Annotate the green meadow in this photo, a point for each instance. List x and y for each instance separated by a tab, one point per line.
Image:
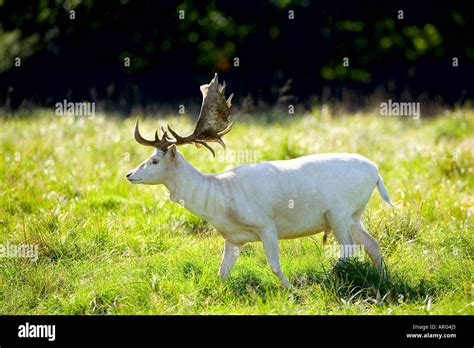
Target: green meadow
108	247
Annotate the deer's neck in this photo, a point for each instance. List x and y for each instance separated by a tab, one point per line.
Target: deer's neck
197	192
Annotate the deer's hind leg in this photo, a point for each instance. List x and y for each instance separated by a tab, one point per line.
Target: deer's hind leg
341	226
371	245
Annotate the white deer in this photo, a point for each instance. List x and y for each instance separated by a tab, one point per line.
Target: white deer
265	201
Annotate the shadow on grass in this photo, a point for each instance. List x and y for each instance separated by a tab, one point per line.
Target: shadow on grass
249	284
355	280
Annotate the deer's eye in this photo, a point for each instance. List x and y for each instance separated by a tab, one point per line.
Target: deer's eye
154	161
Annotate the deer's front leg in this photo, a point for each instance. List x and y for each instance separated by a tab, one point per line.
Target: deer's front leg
270	244
230	255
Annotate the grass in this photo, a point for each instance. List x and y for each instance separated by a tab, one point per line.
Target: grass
107	247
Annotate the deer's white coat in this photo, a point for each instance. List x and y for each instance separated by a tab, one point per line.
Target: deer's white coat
273	200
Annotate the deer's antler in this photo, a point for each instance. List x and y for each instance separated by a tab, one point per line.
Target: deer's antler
213	121
212	124
162	143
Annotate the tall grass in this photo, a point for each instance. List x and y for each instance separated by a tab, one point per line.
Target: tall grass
106	247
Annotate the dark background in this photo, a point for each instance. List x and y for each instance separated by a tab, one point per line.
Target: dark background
282	61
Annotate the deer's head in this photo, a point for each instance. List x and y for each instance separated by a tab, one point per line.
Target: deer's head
212	124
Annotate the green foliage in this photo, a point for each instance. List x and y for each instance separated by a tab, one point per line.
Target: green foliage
379	41
14	45
213	33
107	247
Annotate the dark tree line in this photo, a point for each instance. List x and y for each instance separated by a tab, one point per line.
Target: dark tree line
287	51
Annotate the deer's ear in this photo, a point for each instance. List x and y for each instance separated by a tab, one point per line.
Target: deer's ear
172	151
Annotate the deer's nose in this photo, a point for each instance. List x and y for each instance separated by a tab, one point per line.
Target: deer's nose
128	175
